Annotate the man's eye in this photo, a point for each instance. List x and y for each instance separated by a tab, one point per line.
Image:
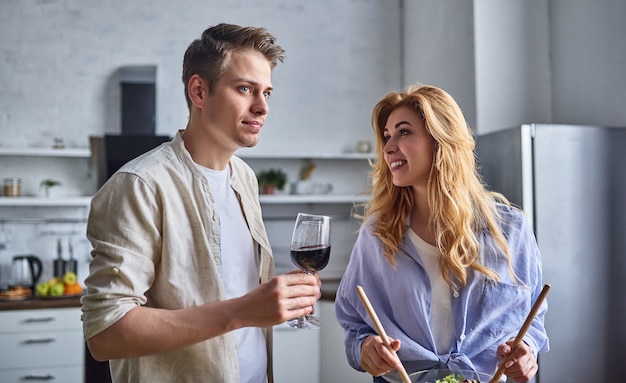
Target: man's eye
245	88
267	95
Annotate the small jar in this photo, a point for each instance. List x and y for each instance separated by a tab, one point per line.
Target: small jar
12	187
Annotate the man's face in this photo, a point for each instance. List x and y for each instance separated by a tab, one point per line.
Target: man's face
235	111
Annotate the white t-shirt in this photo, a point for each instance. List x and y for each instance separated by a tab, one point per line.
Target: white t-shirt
441	320
240	272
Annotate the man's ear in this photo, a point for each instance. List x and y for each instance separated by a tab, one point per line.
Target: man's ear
197	89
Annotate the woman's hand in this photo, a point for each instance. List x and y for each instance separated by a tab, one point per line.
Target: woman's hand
376	358
521	364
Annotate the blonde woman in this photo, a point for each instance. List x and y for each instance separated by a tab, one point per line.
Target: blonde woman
451	268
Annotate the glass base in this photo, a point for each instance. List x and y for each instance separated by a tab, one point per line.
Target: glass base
309	322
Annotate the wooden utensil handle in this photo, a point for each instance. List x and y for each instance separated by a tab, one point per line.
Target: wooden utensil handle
381	330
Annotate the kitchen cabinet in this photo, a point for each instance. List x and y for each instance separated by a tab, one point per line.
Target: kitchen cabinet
42	345
334	366
314	356
296	355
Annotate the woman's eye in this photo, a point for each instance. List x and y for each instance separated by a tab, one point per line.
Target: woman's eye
404	132
386	138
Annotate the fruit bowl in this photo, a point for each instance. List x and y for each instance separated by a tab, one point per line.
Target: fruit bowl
432	376
58	288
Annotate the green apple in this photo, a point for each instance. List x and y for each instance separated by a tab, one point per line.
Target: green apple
43	288
57	290
69	278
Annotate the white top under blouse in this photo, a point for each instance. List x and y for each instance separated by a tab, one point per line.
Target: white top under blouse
441	320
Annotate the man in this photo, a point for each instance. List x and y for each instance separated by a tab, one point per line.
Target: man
180	285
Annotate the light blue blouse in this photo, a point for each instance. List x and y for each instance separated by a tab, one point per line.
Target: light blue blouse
486	313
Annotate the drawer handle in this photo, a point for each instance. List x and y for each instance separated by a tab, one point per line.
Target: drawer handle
39	320
38	341
38	377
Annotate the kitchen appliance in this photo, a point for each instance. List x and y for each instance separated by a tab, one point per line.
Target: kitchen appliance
138	99
111	152
25	271
571	181
72	263
59	263
138	123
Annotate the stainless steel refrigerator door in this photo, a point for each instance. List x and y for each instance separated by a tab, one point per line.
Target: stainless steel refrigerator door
577	174
572	228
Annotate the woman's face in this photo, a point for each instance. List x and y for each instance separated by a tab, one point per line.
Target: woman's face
408	147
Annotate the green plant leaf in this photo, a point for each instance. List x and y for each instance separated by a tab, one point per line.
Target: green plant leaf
275	177
49	183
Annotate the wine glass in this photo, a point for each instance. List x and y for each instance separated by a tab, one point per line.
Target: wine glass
310	251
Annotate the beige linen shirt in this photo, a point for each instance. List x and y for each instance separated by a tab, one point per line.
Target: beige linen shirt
155	237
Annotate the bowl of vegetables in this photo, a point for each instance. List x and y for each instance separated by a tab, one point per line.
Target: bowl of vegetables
449	376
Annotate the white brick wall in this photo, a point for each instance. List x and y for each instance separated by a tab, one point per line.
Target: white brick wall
59	62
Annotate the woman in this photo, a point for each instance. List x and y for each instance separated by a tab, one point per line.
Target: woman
451	268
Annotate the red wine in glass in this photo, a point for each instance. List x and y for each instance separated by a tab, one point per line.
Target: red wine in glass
311	258
310	251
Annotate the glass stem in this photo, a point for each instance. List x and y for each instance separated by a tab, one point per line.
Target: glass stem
302	321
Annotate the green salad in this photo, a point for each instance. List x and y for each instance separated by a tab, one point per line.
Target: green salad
452	378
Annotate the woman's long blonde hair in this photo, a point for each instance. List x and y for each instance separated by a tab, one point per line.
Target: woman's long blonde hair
460	204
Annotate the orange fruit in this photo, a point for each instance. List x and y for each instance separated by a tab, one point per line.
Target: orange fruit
73	288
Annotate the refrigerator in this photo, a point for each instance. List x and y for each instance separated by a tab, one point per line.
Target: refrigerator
571	181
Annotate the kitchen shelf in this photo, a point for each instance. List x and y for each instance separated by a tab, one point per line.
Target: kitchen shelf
46	152
305	156
311	198
264	199
86	153
43	201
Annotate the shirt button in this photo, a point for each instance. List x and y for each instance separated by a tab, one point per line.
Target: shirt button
456	294
214	217
462	337
115	271
217	260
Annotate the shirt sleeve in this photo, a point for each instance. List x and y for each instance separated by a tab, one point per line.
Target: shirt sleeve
123	228
348	308
536	336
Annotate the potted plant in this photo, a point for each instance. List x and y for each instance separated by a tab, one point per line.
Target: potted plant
271	179
48	184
